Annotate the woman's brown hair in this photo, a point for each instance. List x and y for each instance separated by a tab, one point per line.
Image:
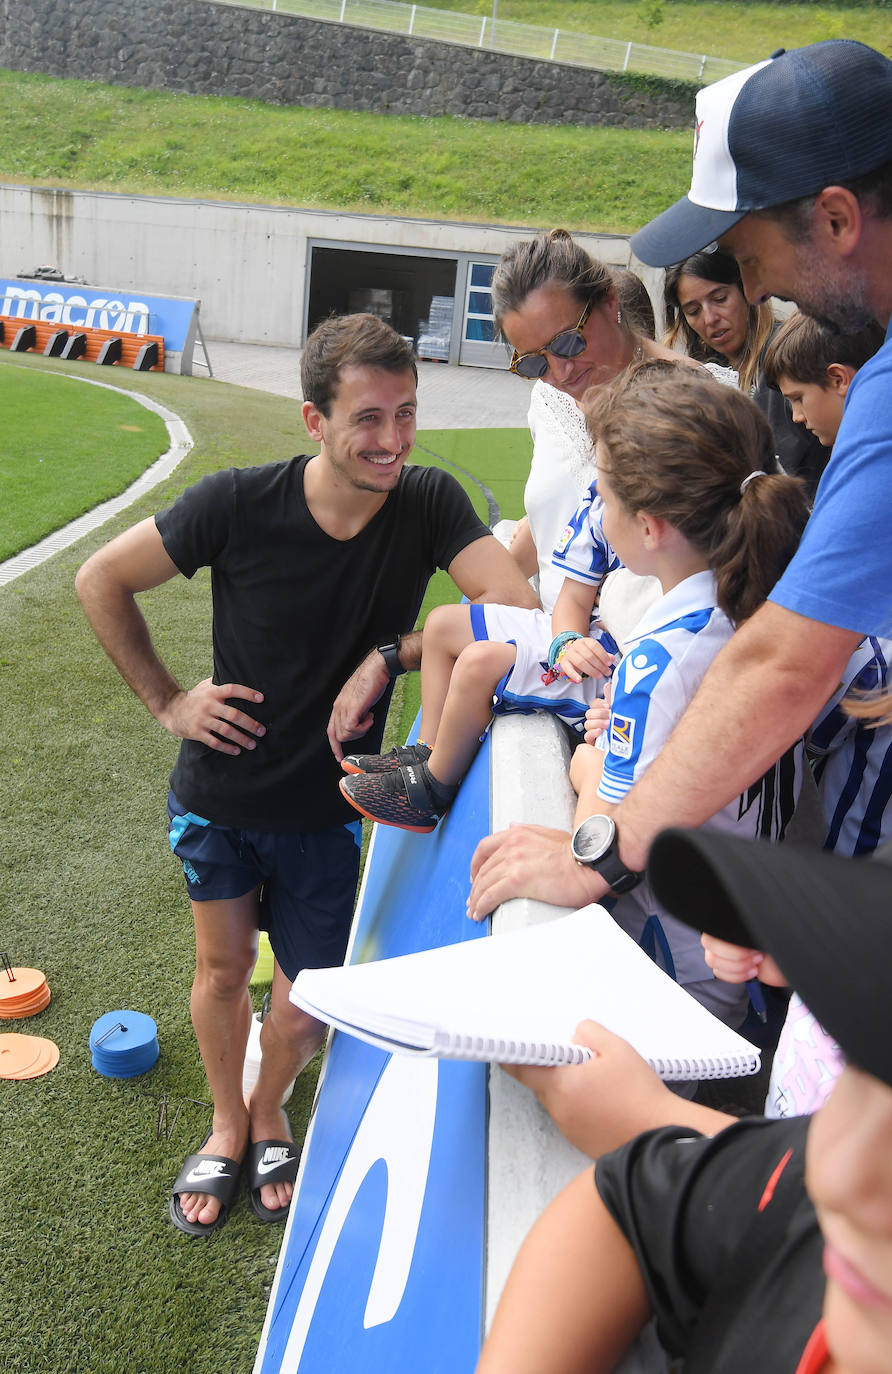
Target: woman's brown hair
681	447
552	259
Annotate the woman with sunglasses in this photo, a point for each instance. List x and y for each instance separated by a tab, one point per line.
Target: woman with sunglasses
570	328
709	319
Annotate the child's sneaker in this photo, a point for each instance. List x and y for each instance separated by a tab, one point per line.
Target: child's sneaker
401	797
386	763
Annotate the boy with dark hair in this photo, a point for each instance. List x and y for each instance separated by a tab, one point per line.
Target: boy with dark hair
813	367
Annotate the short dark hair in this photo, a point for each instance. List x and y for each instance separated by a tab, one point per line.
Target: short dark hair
873	189
349	341
803	350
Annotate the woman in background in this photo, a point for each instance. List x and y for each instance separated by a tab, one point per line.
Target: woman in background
708	318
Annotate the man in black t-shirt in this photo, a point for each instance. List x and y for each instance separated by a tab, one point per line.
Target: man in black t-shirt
318	564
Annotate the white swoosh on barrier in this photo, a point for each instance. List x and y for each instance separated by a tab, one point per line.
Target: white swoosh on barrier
398	1127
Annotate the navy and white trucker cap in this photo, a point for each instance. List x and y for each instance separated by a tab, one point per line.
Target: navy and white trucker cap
777	131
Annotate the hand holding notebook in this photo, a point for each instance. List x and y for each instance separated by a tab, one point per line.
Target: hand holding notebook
518	998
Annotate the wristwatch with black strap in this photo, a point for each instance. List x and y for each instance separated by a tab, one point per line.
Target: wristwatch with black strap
390	652
595	846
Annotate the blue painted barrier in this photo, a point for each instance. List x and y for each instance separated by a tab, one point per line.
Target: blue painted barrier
382	1266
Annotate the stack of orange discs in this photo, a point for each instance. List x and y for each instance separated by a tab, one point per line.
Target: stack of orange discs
24	994
26	1056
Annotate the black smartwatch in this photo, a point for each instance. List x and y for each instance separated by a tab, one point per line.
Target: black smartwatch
594	845
390	652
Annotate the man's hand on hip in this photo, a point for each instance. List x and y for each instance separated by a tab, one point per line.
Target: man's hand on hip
204	714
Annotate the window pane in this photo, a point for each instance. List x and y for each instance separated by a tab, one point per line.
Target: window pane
480	329
481	273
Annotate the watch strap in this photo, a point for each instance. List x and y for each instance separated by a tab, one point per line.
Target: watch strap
390	652
614	872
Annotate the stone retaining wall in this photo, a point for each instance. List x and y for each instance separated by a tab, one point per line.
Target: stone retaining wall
202	48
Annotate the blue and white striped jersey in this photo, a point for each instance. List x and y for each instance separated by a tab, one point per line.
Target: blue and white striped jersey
582	552
852	760
664	662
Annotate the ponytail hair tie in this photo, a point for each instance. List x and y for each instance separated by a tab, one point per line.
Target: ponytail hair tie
746	481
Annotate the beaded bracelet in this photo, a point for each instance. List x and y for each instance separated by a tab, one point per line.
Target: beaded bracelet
559	642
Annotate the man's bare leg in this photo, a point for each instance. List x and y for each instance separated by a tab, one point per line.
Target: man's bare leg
225	951
288	1041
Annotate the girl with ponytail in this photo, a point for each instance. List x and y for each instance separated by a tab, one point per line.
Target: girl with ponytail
685	499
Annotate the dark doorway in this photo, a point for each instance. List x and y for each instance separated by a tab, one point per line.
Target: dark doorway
413	293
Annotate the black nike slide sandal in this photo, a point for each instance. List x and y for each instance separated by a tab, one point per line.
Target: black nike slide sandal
212	1174
271	1161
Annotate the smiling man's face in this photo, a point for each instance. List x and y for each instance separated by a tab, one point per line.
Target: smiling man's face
370	431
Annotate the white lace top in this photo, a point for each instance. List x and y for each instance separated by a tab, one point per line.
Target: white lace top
562	469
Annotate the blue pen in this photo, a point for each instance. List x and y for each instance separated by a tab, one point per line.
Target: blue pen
757	997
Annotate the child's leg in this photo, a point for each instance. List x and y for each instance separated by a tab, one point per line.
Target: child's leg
447	631
575	1299
416	795
467	710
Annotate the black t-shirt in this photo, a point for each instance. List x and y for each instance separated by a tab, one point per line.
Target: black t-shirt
687	1203
295	611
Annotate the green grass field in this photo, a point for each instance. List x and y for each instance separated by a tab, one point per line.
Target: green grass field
66	451
96	1279
89	135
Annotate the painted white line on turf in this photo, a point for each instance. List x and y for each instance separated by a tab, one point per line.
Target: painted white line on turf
180	443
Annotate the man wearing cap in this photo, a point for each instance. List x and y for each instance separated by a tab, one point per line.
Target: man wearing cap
793	177
767	1245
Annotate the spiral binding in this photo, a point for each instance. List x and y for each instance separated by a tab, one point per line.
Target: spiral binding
687	1070
489	1049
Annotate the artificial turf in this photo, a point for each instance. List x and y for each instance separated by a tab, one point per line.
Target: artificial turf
65	451
96	1279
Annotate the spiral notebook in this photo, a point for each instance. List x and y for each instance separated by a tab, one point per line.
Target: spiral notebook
518	998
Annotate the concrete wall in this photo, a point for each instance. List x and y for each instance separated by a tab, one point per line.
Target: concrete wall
205	48
247	264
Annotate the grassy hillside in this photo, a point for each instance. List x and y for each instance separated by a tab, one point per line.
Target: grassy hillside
745	32
87	135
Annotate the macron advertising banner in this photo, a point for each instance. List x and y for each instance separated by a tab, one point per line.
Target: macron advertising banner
71	305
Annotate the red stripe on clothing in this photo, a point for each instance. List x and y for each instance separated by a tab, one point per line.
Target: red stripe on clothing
815	1355
772	1182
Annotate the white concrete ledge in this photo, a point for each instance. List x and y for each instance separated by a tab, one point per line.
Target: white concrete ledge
529	1161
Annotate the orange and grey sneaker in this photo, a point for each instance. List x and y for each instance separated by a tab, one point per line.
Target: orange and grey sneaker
386	763
403	797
